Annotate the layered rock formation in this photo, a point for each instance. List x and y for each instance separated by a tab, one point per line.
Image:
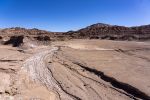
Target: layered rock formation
95	31
112	32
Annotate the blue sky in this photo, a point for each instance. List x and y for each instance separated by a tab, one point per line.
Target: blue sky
65	15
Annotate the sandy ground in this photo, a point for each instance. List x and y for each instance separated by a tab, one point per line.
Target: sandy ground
127	62
76	70
15	83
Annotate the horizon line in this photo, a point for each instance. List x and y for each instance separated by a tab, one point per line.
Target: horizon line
75	29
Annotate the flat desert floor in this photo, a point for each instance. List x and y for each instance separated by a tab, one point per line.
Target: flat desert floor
76	70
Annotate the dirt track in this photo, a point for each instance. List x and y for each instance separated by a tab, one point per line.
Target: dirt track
39	71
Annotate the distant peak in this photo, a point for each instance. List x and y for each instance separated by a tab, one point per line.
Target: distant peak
100	24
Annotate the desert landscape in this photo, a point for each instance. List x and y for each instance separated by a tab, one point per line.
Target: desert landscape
74	49
99	62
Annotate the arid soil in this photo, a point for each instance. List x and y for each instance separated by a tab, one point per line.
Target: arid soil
76	70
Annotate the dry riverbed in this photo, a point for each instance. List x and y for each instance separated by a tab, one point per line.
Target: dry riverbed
76	70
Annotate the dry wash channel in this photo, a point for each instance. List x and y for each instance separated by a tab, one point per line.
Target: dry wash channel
71	79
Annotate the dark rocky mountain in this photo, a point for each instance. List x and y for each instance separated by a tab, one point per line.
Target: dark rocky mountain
112	32
95	31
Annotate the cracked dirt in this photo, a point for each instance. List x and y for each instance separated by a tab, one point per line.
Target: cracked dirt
76	70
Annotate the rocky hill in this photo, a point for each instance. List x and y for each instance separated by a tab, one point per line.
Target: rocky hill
16	36
95	31
112	32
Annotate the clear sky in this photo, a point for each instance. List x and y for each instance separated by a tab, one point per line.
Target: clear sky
65	15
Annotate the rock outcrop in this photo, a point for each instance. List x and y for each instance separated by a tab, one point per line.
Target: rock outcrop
95	31
112	32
